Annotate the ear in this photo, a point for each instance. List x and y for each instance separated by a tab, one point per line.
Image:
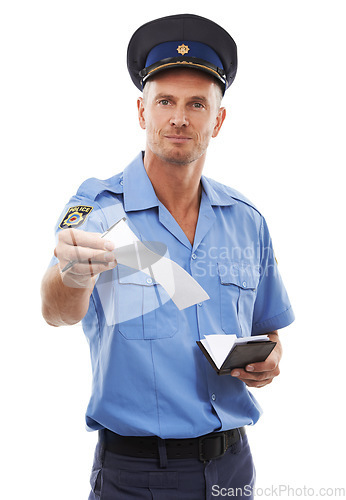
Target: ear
140	108
219	121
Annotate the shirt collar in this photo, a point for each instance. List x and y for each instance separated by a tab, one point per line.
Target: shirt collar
217	194
139	193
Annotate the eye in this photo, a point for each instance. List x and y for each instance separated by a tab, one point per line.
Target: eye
164	102
198	105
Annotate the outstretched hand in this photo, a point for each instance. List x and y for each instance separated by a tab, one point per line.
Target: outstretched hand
89	253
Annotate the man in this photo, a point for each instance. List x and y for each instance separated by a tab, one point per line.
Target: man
169	426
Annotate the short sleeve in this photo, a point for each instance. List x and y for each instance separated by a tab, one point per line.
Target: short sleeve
272	309
80	213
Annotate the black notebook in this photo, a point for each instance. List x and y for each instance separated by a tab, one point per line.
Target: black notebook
226	352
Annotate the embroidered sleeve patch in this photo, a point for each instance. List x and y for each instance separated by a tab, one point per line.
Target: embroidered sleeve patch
75	216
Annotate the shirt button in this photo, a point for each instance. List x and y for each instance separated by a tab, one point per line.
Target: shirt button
121	182
149	281
200	304
194	256
244	284
213	397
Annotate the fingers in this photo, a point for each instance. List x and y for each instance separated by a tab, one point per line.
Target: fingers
262	373
89	268
83	274
76	237
265	366
82	254
89	252
74	244
257	374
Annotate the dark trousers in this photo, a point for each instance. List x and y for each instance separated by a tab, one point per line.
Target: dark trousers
118	477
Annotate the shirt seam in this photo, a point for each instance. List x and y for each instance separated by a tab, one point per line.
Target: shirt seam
260	239
155	385
97	317
97	367
103	214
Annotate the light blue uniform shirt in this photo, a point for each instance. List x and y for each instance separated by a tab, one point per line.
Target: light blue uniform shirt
149	375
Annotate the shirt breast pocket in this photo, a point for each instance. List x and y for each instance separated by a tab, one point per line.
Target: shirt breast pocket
145	310
238	285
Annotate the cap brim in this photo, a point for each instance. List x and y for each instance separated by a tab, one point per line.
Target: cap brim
171	64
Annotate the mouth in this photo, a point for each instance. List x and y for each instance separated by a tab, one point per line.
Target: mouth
180	139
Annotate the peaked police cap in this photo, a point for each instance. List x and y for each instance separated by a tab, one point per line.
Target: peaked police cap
183	40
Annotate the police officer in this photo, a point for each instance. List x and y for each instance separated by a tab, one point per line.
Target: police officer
169	426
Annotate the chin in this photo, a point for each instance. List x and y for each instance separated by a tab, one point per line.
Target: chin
179	157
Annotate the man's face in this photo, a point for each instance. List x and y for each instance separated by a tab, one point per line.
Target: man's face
180	112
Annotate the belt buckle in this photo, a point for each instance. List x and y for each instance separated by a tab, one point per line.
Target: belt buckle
217	446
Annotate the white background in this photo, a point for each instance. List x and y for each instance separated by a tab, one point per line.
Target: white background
68	112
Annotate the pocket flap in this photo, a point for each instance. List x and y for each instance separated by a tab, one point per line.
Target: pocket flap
134	277
242	274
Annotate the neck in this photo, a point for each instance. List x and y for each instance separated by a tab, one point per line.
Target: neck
177	186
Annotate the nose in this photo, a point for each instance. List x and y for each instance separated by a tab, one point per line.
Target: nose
179	117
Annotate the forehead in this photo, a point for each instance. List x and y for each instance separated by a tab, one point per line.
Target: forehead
182	80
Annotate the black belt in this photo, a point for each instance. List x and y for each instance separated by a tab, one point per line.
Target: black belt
204	447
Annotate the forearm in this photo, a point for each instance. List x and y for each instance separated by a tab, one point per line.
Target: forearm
61	304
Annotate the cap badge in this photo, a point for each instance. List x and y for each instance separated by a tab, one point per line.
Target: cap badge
183	49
